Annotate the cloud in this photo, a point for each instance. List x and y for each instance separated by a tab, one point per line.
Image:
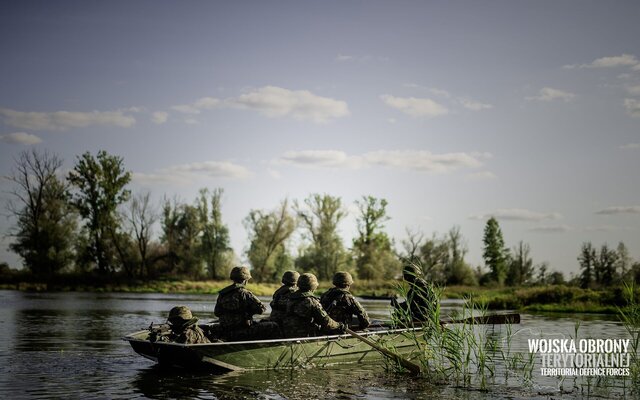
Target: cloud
415	160
275	102
619	210
482	175
633	107
623	60
517	214
551	229
474	105
20	138
630	146
204	103
159	117
63	120
608	228
188	173
551	94
416	107
634	90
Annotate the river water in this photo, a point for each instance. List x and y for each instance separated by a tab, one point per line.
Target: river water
68	346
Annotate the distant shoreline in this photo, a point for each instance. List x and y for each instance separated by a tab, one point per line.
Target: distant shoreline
551	298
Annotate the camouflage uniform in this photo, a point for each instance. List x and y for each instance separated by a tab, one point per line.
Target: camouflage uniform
279	302
341	306
306	317
183	328
236	306
189	333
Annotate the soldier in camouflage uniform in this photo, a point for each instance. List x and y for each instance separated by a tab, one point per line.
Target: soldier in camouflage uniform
280	297
305	315
236	307
421	298
340	304
183	328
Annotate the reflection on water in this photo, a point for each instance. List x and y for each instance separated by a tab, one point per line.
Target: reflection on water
58	345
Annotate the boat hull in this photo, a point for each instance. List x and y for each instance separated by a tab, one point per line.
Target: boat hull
278	353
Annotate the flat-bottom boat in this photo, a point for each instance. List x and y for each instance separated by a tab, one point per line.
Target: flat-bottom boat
278	353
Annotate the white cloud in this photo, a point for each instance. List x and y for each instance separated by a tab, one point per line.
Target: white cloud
634	90
482	175
619	210
204	103
319	158
275	174
608	228
551	229
63	120
633	107
550	94
517	214
188	173
440	92
630	146
474	105
416	107
159	117
20	138
274	102
623	60
416	160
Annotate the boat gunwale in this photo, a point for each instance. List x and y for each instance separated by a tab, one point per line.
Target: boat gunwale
298	340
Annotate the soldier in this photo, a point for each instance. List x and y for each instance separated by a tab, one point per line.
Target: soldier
421	299
236	306
183	328
305	315
280	297
340	304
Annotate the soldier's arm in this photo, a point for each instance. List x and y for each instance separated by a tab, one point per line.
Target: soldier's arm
323	319
360	312
255	306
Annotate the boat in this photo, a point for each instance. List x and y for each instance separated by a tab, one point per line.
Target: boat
287	353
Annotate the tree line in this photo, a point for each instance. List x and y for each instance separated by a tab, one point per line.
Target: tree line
88	222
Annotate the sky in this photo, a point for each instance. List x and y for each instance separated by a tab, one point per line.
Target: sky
453	111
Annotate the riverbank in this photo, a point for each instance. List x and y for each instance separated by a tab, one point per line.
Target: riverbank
555	298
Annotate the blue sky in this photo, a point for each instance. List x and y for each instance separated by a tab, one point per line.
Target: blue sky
452	111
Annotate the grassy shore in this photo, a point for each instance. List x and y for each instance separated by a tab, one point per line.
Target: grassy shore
558	298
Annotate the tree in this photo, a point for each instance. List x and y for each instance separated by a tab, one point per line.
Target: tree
141	216
326	254
100	188
494	252
434	254
587	260
374	255
605	265
520	266
214	243
624	262
268	233
412	244
181	230
46	226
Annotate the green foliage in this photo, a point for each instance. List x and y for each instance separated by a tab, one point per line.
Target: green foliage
374	256
181	228
443	260
520	270
100	187
494	252
325	255
268	233
46	226
214	242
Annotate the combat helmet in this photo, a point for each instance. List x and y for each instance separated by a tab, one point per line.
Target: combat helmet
179	314
307	282
290	277
342	279
240	274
